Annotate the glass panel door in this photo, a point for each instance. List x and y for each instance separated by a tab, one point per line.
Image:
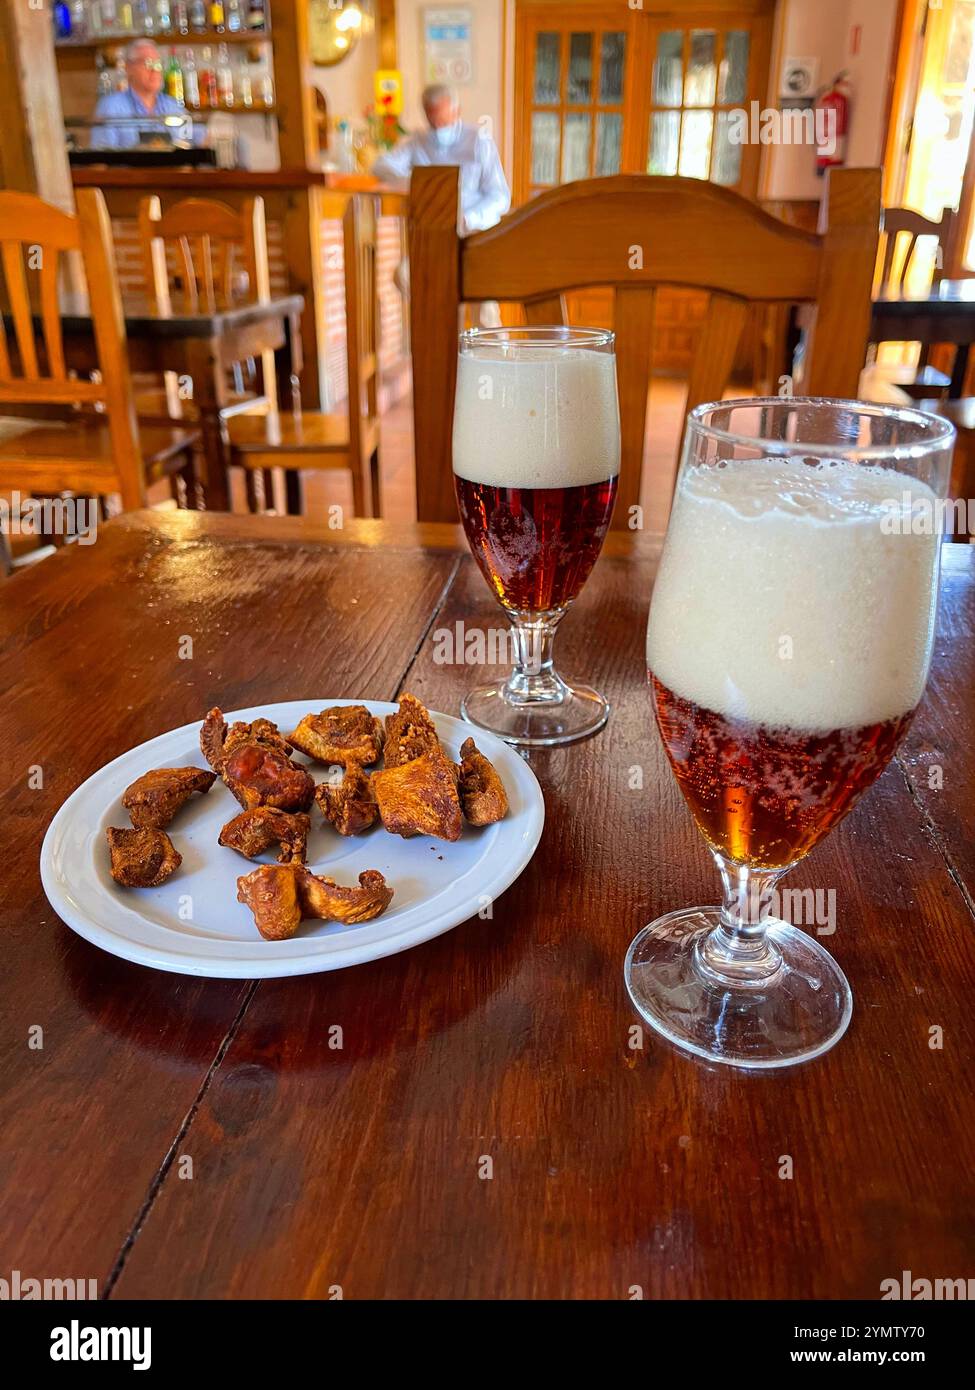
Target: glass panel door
697	75
576	77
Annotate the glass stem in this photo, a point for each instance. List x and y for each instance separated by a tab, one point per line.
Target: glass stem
534	679
739	952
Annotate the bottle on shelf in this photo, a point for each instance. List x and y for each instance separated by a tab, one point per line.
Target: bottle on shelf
198	16
107	16
174	78
266	84
62	20
245	87
217	16
225	77
234	16
144	21
181	16
106	80
164	16
120	80
79	20
191	79
208	79
126	18
256	18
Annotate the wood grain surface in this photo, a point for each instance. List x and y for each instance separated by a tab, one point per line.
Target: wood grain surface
364	1169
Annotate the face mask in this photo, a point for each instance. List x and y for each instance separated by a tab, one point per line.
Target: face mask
446	134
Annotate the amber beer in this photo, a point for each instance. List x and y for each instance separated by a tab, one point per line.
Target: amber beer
536	466
787	648
765	796
535	546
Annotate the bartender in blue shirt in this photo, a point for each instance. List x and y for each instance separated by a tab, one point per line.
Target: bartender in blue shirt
145	97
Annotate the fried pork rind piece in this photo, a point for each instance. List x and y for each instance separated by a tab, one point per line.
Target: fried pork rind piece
154	798
420	797
351	806
482	794
271	893
280	895
322	897
252	832
410	733
344	734
141	858
255	763
218	742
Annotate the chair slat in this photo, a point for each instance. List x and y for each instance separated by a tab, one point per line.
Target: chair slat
4	355
633	321
13	269
714	354
549	308
51	317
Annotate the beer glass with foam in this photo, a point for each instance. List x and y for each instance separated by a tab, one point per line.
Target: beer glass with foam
788	646
536	450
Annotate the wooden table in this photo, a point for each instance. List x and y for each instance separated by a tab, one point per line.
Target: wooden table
613	1166
945	315
202	346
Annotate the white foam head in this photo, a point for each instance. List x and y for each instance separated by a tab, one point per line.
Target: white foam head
536	416
786	595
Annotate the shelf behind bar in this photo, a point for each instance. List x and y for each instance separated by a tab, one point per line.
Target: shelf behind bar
169	40
102	176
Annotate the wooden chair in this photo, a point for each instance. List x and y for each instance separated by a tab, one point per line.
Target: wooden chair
88	440
923	380
297	440
220	259
634	233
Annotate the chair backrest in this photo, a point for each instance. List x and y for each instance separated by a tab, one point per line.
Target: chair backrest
34	236
359	245
635	233
219	254
905	220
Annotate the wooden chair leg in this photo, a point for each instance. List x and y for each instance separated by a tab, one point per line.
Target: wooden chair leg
377	509
254	489
292	491
359	489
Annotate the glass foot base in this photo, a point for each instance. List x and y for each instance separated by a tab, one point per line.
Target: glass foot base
793	1014
577	713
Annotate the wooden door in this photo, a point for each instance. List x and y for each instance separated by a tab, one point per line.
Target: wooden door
604	89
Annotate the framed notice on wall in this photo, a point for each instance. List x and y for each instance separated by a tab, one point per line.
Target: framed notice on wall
448	45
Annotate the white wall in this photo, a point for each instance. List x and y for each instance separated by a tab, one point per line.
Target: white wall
348	86
824	29
482	97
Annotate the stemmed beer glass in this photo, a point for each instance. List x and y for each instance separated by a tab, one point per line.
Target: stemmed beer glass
788	646
536	451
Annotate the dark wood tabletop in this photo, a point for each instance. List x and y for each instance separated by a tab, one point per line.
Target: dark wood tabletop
143	319
945	314
178	1137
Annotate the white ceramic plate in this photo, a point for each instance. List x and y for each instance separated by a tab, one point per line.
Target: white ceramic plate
193	923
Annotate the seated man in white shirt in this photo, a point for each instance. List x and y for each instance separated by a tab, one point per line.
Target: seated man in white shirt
484	193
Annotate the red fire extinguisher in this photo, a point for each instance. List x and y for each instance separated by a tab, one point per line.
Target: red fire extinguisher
832	116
